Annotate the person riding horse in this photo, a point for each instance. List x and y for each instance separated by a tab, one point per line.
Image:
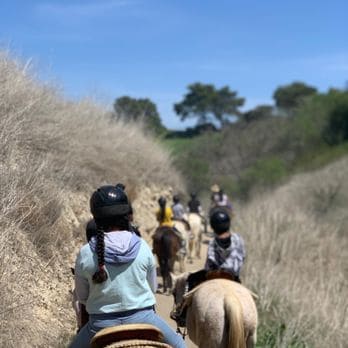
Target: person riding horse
179	212
219	200
164	216
194	205
115	273
225	257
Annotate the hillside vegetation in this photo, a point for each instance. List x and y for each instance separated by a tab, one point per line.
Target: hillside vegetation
53	153
297	259
266	145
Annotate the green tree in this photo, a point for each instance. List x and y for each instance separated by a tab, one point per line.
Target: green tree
291	96
204	101
336	130
134	110
258	113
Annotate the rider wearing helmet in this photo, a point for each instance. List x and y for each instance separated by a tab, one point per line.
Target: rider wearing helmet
194	205
219	199
164	214
225	258
115	273
165	218
226	251
178	209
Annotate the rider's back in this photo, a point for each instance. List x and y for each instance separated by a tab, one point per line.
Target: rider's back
194	206
127	286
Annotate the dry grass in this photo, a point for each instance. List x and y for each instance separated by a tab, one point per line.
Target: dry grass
298	259
52	151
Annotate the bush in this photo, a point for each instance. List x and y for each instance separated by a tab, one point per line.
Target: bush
336	130
264	173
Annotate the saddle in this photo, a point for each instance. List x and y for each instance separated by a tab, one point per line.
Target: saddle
130	335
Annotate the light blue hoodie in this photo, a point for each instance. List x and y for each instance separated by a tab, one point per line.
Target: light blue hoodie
131	271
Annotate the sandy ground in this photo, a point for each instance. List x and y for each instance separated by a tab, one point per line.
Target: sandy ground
165	302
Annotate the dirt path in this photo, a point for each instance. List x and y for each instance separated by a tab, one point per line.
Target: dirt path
165	303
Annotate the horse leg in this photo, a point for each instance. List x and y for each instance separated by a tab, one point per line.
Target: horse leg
182	263
251	340
190	249
198	247
164	272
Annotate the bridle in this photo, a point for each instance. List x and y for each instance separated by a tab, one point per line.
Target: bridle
183	332
179	329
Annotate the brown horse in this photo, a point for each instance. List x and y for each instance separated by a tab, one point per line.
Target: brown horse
166	244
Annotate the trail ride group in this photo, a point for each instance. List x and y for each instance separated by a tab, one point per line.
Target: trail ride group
115	276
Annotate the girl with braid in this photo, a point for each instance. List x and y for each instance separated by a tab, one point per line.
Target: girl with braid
115	272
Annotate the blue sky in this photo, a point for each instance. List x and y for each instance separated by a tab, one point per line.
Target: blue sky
154	49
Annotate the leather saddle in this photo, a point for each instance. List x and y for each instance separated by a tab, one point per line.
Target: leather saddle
129	335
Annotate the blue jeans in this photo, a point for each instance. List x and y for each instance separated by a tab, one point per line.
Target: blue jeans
98	322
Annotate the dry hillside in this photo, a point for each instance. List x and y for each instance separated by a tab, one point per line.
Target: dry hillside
297	240
53	153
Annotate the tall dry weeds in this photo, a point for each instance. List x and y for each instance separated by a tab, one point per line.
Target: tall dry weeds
52	151
298	259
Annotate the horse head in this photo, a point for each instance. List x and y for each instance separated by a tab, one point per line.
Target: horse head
179	286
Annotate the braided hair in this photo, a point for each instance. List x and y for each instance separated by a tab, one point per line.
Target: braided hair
103	225
100	275
162	203
110	208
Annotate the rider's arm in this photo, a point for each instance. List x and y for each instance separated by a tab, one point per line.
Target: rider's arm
152	279
200	210
151	274
210	263
81	288
237	255
81	282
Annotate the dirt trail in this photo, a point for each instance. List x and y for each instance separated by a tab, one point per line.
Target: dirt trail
165	303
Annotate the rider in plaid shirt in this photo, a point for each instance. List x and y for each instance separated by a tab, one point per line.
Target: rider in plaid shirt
226	251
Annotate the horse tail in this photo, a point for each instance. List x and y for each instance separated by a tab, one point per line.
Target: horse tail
234	317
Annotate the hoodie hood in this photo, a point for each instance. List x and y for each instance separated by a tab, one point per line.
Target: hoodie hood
120	247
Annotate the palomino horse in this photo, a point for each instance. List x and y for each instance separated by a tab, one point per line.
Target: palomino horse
166	244
220	313
195	238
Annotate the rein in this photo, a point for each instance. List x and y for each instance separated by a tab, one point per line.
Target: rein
183	332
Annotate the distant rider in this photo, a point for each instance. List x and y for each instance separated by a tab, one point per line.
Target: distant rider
165	217
219	199
226	251
194	205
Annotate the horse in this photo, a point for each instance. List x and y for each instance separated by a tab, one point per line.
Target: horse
220	313
183	228
195	238
166	244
